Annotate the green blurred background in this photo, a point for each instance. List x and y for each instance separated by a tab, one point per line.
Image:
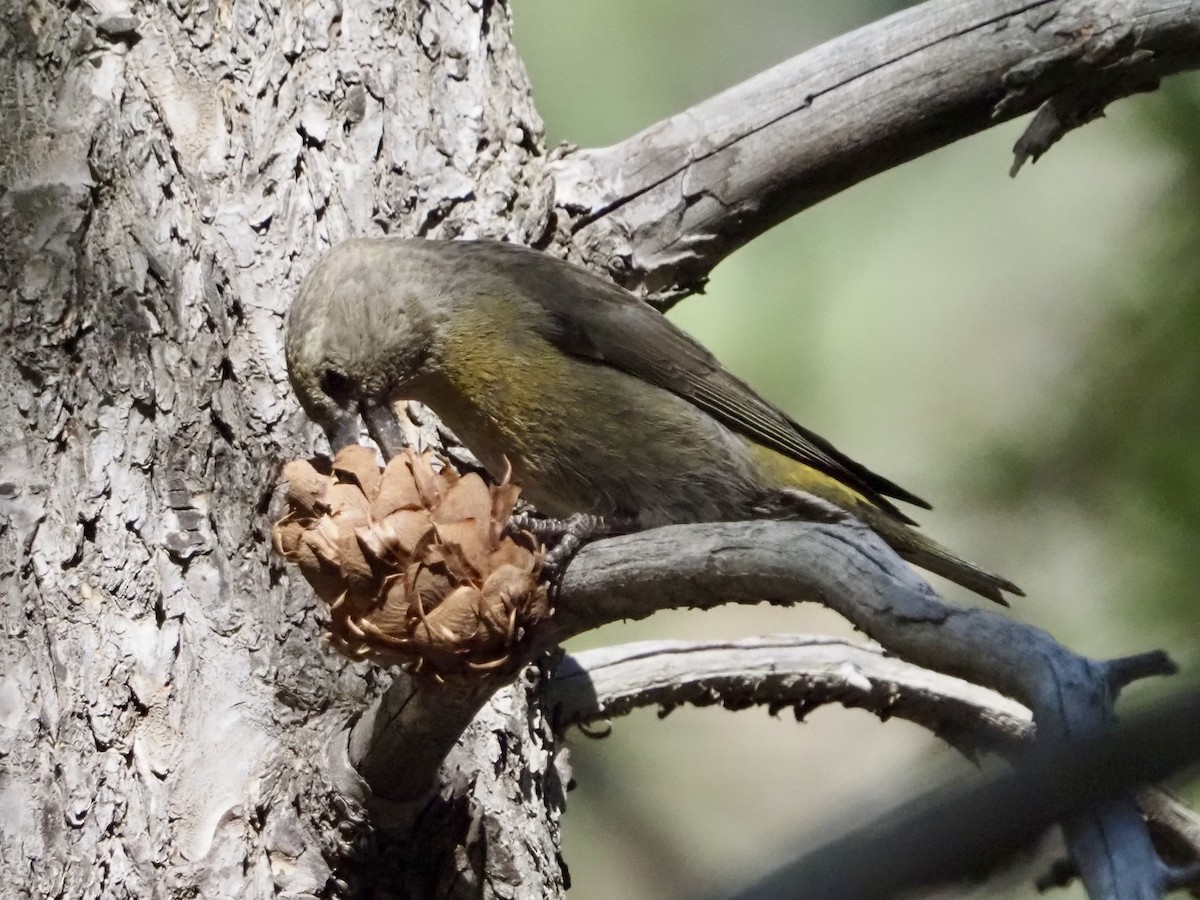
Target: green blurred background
1020	352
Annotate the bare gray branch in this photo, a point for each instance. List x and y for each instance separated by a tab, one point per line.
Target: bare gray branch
807	671
781	671
850	570
666	205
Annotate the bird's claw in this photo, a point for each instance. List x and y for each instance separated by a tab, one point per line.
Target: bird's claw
567	536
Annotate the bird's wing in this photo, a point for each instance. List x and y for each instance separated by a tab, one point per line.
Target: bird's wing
591	318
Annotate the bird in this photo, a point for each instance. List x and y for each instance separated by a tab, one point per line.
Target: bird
595	402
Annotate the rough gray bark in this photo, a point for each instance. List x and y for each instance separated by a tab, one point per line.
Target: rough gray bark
169	172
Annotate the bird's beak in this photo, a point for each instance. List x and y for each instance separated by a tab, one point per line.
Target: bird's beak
383	426
343	432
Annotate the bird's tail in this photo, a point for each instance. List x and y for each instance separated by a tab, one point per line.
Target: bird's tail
933	557
891	526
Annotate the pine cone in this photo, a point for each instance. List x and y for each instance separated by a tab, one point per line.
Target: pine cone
414	563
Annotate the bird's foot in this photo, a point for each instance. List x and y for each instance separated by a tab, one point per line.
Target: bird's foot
566	536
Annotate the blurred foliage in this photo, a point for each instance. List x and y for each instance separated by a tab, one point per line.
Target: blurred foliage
1126	443
604	69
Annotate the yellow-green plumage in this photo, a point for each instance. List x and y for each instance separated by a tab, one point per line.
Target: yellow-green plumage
597	402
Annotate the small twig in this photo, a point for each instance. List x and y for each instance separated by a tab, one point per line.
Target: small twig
399	742
1125	670
1067	110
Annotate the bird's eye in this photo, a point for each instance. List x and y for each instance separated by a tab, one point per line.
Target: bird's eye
336	385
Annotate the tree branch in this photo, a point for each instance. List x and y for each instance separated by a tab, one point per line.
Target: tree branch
800	671
807	671
1175	829
850	570
666	205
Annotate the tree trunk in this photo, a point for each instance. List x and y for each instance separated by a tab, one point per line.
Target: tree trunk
170	171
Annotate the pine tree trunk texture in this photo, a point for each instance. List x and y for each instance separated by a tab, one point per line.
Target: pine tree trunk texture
168	173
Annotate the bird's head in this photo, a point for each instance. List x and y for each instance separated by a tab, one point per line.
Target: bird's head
357	335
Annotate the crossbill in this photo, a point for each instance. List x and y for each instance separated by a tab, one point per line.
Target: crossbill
598	403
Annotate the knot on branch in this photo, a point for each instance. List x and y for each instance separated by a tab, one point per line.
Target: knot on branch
414	561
